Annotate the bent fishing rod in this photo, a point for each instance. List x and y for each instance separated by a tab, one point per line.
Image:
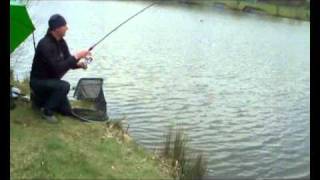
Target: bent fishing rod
89	59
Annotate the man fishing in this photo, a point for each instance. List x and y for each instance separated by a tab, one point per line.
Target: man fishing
51	61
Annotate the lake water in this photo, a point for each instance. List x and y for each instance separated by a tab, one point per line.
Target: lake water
238	83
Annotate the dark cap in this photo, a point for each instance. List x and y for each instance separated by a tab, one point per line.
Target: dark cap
56	21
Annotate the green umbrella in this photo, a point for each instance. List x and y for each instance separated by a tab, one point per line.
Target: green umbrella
20	25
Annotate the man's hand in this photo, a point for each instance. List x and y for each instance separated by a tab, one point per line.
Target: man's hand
82	54
82	64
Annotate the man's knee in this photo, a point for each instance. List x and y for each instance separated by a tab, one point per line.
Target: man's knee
64	86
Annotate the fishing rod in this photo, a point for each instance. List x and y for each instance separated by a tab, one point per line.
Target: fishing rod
89	59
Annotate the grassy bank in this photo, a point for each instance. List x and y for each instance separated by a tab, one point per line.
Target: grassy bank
75	150
293	12
72	149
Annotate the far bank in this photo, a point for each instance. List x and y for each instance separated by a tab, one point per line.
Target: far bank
286	10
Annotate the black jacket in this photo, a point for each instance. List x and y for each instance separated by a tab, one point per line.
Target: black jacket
52	59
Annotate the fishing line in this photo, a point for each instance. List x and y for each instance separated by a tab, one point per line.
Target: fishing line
89	59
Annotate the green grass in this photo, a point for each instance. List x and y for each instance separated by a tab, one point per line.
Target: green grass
75	150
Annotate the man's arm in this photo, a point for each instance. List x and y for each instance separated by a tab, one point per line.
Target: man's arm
67	54
51	55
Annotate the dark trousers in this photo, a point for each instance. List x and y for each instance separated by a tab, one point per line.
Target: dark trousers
51	94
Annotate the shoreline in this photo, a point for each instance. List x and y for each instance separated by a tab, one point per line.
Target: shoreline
75	150
271	9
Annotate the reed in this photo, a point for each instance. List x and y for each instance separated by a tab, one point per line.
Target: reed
167	143
195	169
183	167
179	147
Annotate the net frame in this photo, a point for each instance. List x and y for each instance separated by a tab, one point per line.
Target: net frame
91	89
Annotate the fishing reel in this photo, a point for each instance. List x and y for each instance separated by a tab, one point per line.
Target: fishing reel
88	60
